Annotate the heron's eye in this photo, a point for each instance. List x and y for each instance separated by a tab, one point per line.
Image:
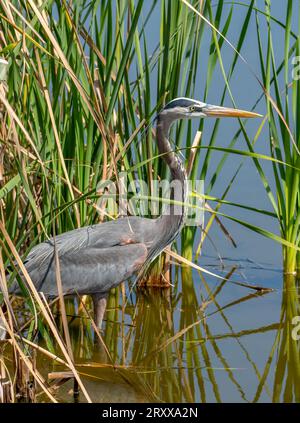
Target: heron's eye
192	108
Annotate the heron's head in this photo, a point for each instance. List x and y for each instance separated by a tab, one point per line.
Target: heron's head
187	108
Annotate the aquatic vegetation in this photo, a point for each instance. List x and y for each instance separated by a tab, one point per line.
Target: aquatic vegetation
79	110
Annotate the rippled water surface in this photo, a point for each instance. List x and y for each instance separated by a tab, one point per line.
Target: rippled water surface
213	340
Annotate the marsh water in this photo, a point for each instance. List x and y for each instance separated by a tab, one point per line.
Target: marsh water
203	340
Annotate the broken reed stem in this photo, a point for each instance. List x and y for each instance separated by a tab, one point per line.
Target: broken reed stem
5	383
25	382
3	89
6	392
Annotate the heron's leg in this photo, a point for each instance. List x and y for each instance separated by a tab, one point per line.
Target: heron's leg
99	301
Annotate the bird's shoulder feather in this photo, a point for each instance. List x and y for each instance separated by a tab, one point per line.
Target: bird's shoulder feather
124	231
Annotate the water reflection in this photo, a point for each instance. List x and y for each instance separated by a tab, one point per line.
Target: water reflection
192	342
200	340
285	352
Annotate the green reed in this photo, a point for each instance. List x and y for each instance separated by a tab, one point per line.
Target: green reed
284	133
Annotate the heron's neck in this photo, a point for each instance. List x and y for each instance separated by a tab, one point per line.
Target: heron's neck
172	219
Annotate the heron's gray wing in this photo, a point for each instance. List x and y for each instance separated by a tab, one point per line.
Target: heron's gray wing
123	231
79	247
131	230
93	270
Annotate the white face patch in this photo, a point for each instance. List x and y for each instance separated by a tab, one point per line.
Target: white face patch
183	108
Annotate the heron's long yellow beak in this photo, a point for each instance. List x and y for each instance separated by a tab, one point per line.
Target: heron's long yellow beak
218	111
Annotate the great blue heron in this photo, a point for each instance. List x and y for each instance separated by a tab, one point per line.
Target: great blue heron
97	258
